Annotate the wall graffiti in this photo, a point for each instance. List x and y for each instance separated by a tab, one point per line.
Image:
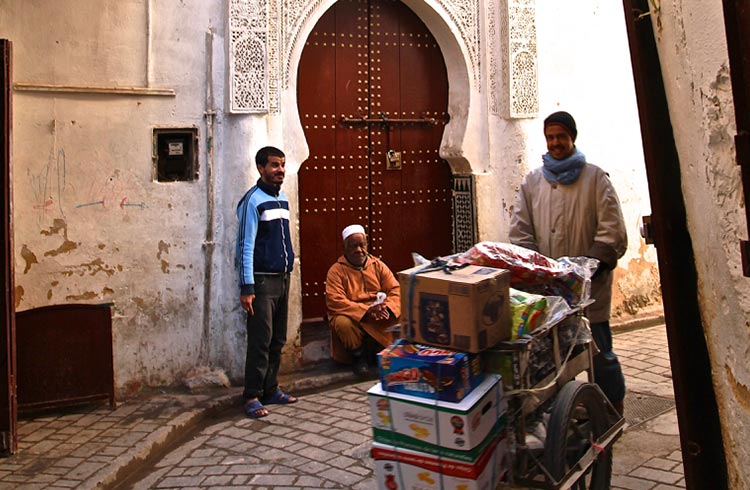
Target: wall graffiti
111	192
50	186
50	183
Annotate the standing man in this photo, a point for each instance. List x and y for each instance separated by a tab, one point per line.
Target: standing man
568	207
265	259
363	300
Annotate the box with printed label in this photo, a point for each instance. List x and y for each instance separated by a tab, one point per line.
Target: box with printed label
465	309
429	372
398	468
410	421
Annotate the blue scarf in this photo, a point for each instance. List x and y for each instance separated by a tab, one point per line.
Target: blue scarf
565	171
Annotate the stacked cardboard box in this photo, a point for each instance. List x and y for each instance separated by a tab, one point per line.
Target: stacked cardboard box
433	444
398	468
429	372
466	309
439	422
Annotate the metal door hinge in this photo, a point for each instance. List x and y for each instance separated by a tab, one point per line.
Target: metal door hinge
647	230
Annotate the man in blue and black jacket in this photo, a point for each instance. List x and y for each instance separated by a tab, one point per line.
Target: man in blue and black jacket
265	259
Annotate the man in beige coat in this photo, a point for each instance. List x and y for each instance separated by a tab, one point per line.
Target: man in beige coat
568	207
363	301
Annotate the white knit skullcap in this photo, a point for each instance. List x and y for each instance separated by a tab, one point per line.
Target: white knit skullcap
351	230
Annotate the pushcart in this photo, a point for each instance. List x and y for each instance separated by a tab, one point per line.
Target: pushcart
542	375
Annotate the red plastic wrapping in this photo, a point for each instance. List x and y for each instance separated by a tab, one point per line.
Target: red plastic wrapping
533	272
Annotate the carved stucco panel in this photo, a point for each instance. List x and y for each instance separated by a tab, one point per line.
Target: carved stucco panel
464	15
518	59
248	30
274	61
493	71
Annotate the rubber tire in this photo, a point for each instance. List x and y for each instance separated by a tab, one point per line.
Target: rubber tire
573	394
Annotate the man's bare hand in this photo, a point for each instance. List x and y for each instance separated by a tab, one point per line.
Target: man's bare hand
246	301
378	312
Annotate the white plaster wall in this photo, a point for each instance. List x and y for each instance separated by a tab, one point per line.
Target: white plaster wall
693	52
584	68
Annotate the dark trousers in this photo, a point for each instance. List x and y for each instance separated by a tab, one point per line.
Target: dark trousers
266	335
607	369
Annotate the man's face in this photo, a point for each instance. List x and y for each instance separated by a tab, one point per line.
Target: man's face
355	249
273	171
559	143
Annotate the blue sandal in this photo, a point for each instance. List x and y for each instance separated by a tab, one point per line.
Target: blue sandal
279	398
255	409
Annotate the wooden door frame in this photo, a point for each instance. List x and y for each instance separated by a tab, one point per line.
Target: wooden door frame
703	457
8	402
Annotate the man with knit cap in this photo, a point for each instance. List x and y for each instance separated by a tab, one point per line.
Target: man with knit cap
568	207
363	301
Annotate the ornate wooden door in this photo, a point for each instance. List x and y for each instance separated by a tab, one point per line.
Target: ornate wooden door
372	85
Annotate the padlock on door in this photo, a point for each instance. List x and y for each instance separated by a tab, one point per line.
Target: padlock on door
393	160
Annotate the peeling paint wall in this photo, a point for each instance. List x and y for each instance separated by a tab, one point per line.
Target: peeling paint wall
693	52
93	226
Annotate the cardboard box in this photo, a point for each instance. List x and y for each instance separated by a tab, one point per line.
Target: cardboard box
398	468
466	309
429	372
401	441
409	421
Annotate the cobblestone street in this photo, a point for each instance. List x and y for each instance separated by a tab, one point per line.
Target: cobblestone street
191	441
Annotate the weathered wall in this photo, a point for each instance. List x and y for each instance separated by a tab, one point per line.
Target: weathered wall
92	225
693	52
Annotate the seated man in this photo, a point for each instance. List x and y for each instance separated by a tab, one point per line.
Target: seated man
354	313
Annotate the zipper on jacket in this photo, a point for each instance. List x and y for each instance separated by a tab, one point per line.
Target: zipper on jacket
283	237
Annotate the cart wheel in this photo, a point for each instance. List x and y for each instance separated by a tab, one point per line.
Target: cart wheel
579	415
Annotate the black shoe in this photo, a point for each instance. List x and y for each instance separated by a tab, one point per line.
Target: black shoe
371	348
359	364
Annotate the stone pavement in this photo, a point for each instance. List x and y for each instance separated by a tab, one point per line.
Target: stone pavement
176	440
648	455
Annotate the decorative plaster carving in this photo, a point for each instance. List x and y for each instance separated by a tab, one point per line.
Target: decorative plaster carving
274	63
296	13
464	15
519	59
248	55
493	72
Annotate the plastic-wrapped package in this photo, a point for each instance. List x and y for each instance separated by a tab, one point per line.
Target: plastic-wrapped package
557	309
568	277
527	311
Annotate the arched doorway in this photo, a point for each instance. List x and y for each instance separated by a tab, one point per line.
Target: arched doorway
372	80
